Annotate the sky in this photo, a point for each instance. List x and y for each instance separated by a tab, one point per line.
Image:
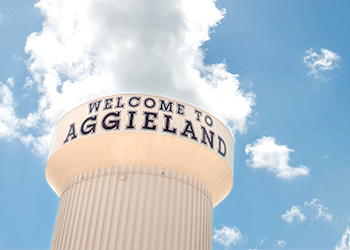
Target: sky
275	72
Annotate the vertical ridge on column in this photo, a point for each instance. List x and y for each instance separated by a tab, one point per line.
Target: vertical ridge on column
66	218
116	212
109	208
76	211
141	210
82	213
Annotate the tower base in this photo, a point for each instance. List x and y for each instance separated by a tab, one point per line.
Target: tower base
134	207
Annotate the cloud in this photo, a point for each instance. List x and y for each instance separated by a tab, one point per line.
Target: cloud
93	48
312	210
10	82
18	58
318	210
8	119
344	243
228	236
294	212
280	244
12	127
318	64
266	154
261	242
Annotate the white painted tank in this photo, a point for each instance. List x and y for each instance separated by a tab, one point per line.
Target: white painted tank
138	171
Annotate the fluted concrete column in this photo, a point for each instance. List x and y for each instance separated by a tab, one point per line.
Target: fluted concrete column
135	207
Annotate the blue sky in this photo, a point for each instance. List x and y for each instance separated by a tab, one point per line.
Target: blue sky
288	65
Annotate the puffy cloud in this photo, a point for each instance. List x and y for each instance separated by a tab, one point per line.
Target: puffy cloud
228	236
90	48
12	127
318	64
312	210
344	243
294	212
265	153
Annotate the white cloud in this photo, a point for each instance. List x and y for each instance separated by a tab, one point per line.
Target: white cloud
280	244
344	243
318	210
228	236
294	212
261	242
267	154
100	47
8	119
12	127
318	64
312	210
10	82
18	58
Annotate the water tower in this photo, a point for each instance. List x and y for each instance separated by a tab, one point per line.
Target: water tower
138	171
